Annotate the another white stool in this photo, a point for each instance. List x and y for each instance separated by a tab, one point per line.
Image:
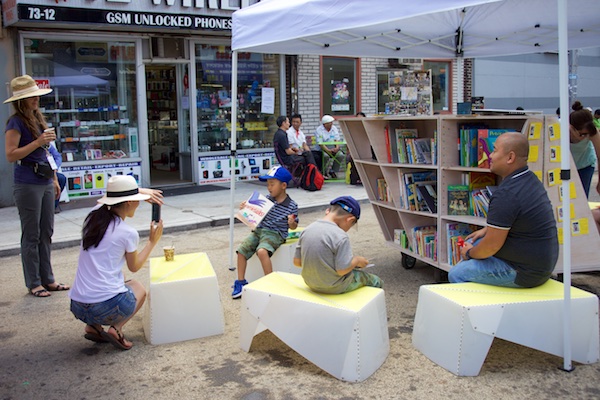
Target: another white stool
183	302
456	323
282	260
344	334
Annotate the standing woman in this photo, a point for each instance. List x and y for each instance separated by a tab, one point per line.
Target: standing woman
585	144
35	183
100	294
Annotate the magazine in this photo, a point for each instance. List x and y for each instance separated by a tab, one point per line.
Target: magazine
255	209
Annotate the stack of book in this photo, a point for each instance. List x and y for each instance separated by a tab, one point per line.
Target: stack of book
424	241
405	147
383	193
418	191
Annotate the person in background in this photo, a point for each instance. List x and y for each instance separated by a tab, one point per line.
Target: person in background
585	144
282	146
519	246
36	184
100	294
272	231
325	254
597	118
327	132
297	140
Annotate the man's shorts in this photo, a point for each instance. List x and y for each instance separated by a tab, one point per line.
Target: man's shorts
108	312
260	239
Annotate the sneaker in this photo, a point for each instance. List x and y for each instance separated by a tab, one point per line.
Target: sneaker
237	288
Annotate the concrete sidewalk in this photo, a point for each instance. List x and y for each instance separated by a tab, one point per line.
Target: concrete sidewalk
182	212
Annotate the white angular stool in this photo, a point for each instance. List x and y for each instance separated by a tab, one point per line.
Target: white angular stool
282	260
456	323
183	301
344	334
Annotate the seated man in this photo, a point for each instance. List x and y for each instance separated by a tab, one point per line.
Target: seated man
327	132
519	246
282	146
297	140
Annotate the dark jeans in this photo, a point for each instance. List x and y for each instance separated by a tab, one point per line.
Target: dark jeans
586	174
62	181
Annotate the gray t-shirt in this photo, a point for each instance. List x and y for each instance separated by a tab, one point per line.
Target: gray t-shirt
325	248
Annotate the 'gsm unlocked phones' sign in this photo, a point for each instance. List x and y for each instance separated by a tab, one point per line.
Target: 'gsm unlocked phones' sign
178	14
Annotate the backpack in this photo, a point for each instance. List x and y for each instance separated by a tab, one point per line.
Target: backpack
312	179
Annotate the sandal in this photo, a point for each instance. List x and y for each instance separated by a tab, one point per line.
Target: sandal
118	342
40	293
59	287
97	336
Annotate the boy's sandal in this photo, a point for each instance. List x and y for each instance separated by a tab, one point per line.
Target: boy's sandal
95	337
59	287
40	293
118	343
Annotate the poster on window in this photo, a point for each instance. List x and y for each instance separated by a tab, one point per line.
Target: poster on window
340	95
409	93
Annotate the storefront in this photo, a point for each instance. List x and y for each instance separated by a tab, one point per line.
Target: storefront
145	89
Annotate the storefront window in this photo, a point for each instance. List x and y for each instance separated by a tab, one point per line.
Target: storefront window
339	85
93	102
440	84
258	98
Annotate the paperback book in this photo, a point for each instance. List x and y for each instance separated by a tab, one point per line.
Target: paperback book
254	211
458	200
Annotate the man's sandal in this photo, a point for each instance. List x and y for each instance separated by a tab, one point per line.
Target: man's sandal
58	288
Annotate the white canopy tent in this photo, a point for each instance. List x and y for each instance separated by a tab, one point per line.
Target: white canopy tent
425	29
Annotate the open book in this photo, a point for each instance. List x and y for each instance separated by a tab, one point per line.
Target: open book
256	208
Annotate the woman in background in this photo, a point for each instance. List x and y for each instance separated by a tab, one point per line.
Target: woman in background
585	144
35	183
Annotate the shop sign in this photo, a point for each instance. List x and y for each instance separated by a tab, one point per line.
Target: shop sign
178	14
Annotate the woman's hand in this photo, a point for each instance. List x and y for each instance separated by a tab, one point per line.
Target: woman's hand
155	195
156	231
56	188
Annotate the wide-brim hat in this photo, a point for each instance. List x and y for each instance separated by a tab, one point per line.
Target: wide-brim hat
23	87
122	188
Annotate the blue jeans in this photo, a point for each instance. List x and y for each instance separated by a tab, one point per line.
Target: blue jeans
109	312
586	174
489	271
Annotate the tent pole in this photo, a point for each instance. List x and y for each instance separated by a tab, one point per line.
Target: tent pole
563	72
233	148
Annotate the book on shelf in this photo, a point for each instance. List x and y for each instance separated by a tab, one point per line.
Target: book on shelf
256	208
454	231
424	241
485	145
408	191
421	151
458	199
401	239
388	145
401	136
427	194
383	192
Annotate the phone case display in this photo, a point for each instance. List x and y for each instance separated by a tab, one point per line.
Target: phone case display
91	180
214	169
408	93
90	123
425	208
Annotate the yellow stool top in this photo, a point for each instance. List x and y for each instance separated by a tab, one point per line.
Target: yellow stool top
292	286
476	294
183	267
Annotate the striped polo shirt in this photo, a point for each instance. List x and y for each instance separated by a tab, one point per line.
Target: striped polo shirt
277	217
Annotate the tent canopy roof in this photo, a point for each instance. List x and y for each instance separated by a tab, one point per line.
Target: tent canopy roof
412	29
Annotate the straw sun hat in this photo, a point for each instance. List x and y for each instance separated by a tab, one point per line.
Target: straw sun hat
122	188
23	87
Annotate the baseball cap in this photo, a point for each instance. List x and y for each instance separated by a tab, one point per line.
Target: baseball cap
349	204
327	119
277	172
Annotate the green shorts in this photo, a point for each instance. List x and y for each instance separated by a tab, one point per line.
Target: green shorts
260	239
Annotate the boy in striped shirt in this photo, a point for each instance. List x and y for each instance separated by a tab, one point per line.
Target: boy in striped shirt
272	230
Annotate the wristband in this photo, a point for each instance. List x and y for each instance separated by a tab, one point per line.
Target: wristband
468	255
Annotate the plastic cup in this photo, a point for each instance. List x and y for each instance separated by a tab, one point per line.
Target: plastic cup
169	253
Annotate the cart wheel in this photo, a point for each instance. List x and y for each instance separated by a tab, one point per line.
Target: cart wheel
408	262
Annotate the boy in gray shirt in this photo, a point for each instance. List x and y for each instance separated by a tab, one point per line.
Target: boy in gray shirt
325	255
